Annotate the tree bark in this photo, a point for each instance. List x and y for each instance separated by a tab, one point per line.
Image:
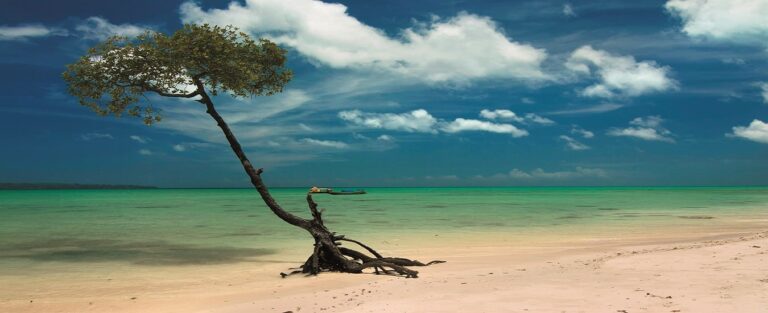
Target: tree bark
327	254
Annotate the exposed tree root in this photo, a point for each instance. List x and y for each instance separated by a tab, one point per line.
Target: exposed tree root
330	256
327	255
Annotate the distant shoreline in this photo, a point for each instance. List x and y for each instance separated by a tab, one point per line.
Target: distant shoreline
61	186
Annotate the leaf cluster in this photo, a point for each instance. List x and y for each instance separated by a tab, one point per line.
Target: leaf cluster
113	76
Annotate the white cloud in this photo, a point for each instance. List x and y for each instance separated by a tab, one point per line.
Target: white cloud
732	20
456	50
145	152
756	131
421	121
542	174
23	32
600	108
538	119
507	115
98	28
305	127
325	143
189	145
764	88
253	119
500	114
94	136
462	125
646	128
732	60
415	121
139	139
385	138
573	144
576	130
618	75
568	10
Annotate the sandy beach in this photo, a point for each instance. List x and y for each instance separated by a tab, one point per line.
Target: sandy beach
702	271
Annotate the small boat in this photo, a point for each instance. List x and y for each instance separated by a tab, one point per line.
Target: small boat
330	191
347	192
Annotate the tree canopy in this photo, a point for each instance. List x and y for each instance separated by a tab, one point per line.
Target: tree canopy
115	75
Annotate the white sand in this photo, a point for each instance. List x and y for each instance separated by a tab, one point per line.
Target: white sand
697	272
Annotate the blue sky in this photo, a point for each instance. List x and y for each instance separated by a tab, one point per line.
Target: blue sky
413	93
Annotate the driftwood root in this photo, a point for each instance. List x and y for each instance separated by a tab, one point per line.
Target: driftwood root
329	256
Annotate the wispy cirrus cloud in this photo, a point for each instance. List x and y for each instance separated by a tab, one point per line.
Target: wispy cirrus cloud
96	136
98	28
573	144
541	175
594	109
139	139
763	90
325	143
28	31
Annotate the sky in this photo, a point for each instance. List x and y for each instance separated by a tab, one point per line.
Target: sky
412	93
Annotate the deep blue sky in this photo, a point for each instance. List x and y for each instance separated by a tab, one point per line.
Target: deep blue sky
390	93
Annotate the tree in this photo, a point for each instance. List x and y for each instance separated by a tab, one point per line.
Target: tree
198	62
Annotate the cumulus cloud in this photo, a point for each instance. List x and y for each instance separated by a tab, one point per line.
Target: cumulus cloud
385	138
23	32
179	148
94	136
98	28
421	121
542	174
756	131
415	121
573	144
618	75
453	50
462	125
145	152
764	88
732	20
568	10
139	139
507	115
500	114
325	143
576	130
646	128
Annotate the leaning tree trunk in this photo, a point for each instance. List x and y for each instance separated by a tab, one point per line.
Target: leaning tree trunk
328	255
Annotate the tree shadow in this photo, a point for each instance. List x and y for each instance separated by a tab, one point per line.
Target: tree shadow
150	253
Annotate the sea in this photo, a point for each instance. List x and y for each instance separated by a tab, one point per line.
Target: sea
42	231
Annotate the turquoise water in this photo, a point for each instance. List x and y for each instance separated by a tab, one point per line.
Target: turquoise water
169	227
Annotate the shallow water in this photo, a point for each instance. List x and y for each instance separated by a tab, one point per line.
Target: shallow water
59	229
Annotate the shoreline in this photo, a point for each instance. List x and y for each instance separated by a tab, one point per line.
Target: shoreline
570	276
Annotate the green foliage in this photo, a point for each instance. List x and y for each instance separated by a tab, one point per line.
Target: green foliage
116	74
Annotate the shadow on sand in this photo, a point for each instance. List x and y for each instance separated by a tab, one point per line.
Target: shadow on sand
150	253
